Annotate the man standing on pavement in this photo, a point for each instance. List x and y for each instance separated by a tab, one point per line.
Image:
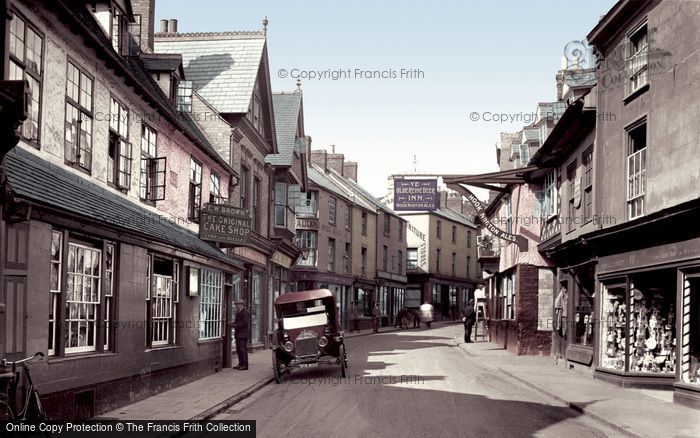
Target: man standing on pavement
469	318
241	326
376	317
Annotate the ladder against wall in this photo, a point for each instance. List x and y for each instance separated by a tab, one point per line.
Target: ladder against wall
480	328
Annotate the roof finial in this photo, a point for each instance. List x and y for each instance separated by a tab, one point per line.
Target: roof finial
298	90
265	22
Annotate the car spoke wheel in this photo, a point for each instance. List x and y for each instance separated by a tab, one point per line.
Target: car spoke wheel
343	360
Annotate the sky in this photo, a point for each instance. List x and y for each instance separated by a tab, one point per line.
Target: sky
464	63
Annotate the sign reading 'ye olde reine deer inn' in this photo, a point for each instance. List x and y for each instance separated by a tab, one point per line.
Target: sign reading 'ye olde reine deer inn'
415	194
225	224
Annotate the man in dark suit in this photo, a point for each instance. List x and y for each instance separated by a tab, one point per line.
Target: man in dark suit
241	326
469	319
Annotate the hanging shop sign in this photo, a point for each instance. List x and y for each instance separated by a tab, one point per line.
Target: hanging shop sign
519	240
225	224
412	194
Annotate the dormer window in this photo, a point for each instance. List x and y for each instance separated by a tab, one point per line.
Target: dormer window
184	96
123	31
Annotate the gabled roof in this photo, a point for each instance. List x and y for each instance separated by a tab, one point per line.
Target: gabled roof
39	182
286	107
222	66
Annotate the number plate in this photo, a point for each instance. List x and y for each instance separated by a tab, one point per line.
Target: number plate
308	365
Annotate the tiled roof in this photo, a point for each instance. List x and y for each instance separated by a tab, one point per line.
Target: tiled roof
286	109
40	182
222	66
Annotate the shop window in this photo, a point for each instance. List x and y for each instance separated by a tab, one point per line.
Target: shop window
508	296
690	372
83	297
210	304
78	118
650	344
164	280
25	63
583	319
614	332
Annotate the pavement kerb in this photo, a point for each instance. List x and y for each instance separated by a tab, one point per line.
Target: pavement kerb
571	405
221	407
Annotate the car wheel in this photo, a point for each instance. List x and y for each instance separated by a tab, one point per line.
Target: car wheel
276	368
343	360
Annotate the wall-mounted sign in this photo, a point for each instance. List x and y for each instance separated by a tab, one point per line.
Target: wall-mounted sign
307	223
225	224
415	194
251	254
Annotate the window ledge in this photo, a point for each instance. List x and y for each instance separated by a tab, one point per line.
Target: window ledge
162	348
209	341
633	95
78	356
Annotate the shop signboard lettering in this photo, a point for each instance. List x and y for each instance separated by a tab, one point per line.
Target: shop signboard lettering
225	224
415	194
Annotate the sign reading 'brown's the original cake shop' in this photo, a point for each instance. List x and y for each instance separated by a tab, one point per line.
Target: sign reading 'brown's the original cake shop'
225	224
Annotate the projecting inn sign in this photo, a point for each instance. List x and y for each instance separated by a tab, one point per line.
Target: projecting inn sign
415	194
225	224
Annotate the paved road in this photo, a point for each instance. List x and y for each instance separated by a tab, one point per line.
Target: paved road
416	383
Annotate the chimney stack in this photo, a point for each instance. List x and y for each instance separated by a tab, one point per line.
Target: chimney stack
172	25
147	10
350	170
336	161
164	26
319	158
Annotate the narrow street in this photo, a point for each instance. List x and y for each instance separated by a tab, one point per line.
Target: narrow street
413	383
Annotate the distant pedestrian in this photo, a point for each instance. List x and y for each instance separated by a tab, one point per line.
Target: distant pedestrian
469	318
426	313
376	318
354	317
241	326
416	318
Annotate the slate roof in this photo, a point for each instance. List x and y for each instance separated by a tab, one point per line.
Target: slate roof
222	66
36	180
319	178
364	194
286	109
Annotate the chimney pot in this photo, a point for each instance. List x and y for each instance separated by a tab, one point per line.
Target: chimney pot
173	25
164	26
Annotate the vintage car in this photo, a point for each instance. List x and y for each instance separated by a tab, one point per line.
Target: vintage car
308	332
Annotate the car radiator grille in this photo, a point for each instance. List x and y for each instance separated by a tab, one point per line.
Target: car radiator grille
306	346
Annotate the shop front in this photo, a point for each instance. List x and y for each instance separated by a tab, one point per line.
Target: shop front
254	290
649	331
339	285
391	289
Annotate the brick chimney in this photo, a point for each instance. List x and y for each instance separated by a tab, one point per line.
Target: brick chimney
350	170
336	162
454	202
319	158
146	9
443	199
